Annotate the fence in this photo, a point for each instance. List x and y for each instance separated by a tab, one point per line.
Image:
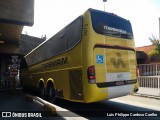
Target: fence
149	85
149	69
149	79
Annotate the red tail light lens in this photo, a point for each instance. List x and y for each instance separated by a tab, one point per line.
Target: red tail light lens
137	70
91	75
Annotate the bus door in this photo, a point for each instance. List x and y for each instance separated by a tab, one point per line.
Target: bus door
114	68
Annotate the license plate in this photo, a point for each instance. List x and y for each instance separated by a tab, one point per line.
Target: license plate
118	83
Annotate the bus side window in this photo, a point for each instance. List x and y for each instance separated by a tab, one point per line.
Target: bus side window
74	32
62	41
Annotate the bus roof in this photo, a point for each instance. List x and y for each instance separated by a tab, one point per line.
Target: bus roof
104	12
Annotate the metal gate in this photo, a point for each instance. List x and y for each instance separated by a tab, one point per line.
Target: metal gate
149	85
149	69
149	79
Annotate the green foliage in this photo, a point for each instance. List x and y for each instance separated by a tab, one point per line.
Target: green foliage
156	51
153	52
158	48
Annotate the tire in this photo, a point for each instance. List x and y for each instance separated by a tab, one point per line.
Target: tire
41	91
51	93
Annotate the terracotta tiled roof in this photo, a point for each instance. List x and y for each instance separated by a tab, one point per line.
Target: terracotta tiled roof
146	49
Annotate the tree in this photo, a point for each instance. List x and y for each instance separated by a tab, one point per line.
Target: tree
156	52
154	40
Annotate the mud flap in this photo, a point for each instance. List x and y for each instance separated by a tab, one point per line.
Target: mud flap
76	87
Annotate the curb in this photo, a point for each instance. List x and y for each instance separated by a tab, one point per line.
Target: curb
29	97
48	107
54	109
147	96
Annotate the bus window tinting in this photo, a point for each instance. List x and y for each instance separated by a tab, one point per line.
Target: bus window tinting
64	40
111	25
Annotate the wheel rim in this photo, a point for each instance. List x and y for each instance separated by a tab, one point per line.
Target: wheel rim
51	94
42	92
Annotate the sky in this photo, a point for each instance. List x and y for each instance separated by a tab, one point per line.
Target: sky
50	16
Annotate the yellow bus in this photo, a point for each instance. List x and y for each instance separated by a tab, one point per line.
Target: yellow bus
91	59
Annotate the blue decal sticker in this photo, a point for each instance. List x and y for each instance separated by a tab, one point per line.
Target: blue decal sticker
99	59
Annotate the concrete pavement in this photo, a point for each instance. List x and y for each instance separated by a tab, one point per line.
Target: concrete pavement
146	102
15	105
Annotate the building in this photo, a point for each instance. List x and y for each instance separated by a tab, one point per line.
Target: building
143	54
14	15
10	62
27	43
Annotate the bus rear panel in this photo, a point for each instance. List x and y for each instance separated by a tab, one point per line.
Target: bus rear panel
113	70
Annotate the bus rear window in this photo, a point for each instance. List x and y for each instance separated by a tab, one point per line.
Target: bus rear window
110	25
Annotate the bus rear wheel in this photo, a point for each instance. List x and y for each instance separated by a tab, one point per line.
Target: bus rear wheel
51	93
41	91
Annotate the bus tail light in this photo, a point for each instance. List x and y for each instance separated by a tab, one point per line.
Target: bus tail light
91	75
137	72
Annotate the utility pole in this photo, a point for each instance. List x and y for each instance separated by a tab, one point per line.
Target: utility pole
159	28
104	3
